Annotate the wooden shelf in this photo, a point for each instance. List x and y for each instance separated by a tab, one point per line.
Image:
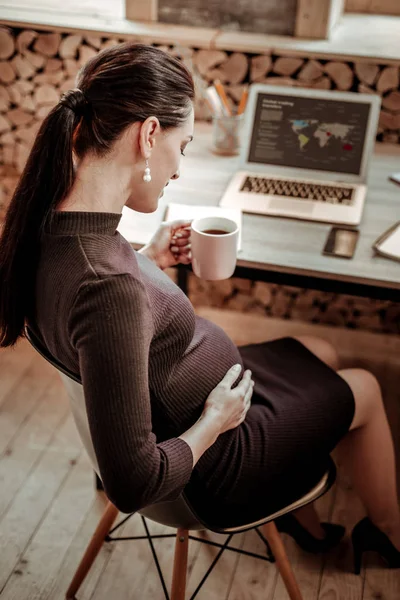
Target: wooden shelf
159	33
361	37
358	37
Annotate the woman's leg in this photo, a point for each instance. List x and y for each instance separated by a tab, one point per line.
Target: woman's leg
368	451
321	348
367	448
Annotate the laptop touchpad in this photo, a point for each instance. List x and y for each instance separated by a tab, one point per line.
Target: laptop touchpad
286	204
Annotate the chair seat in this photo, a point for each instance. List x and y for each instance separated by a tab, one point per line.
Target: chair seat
180	512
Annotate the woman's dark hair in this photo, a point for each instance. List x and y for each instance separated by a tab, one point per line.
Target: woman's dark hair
117	87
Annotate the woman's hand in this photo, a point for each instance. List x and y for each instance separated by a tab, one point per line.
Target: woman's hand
229	406
170	245
225	409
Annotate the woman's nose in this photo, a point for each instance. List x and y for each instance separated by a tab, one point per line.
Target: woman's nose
176	175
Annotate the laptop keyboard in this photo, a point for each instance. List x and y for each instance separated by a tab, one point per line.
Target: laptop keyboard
300	190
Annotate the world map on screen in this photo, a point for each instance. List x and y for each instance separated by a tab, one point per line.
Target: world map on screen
326	133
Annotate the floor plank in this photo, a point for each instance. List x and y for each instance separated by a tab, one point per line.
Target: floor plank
31	441
23	398
54	533
338	580
219	582
14	362
129	565
31	505
76	549
253	579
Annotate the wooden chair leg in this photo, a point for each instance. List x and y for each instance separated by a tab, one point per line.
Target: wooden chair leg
275	541
102	529
180	565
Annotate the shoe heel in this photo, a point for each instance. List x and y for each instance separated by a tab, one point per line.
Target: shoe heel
366	537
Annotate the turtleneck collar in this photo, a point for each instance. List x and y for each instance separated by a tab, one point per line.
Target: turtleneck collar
76	222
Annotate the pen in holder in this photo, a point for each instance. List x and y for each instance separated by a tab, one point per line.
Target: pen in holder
226	134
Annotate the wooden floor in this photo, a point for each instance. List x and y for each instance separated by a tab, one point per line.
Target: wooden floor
49	508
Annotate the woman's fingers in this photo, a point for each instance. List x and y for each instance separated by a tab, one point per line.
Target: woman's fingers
181	248
181	231
180	243
245	389
185	259
248	395
244	384
181	234
179	223
247	402
231	376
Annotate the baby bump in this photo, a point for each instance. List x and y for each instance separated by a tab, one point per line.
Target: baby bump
204	364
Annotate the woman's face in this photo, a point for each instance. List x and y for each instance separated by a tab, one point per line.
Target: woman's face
163	150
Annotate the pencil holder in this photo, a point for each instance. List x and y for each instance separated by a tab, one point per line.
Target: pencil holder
226	134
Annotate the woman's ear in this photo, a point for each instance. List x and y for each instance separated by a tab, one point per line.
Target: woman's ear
148	132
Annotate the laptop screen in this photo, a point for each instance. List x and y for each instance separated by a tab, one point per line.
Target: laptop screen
309	133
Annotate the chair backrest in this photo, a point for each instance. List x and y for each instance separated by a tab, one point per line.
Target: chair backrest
76	397
176	513
78	409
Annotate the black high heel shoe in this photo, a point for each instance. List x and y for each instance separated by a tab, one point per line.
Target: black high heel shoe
290	525
368	537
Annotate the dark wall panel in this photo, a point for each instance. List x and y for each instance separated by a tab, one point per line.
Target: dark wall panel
261	16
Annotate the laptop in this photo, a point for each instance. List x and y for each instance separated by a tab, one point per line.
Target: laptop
305	154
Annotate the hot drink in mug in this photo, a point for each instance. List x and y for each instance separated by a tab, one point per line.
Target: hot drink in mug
214	247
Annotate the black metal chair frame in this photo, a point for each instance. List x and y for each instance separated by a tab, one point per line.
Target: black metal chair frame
225	546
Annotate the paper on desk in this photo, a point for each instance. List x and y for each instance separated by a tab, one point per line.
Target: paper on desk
138	228
190	211
391	245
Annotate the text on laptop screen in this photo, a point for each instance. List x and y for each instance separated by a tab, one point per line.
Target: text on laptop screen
309	133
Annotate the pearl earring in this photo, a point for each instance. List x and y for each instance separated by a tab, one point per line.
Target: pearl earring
147	175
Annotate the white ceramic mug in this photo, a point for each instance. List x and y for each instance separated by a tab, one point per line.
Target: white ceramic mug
214	255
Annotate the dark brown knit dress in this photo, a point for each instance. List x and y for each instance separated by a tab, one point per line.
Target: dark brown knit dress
147	365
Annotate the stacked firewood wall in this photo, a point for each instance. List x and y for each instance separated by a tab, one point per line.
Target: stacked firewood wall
37	67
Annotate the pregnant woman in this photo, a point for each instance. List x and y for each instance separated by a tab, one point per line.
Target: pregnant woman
172	403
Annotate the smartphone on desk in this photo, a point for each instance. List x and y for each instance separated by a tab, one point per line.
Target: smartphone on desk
341	242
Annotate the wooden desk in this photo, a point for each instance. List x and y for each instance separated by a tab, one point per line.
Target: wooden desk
289	251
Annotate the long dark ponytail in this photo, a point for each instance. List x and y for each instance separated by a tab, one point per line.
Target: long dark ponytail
119	86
